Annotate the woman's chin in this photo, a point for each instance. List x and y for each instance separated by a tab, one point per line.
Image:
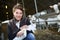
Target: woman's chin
18	19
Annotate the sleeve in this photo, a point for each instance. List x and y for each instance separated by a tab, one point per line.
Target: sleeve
28	21
11	34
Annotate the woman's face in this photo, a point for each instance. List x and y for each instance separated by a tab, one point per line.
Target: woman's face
17	14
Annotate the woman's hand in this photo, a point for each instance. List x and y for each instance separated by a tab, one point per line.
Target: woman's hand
24	27
20	33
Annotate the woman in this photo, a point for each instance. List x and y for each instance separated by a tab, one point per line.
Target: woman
18	23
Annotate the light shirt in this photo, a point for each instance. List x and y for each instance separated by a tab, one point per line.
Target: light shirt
18	24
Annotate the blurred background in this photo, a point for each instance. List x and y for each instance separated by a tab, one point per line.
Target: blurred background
45	14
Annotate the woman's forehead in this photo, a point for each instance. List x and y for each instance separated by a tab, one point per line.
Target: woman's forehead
18	10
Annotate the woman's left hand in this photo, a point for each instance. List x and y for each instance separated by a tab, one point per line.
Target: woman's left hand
24	27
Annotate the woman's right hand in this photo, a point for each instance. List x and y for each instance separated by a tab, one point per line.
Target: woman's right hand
20	33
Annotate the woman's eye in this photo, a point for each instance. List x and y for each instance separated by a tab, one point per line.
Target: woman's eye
20	13
16	12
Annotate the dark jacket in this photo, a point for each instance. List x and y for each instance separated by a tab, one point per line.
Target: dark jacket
13	29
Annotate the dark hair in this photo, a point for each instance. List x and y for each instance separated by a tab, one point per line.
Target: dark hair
17	6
